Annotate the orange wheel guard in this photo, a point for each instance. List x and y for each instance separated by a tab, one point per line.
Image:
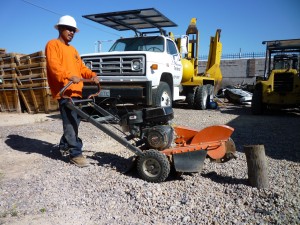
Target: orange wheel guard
211	139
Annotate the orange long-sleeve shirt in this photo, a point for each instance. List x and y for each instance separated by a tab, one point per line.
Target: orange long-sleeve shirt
63	62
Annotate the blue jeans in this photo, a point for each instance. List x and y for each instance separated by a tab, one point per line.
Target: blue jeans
71	120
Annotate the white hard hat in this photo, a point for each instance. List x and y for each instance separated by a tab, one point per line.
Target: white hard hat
68	21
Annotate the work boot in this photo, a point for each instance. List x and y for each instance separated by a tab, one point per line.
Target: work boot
79	161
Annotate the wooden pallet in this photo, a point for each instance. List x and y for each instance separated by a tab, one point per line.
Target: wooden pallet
33	88
24	85
33	68
8	58
7	70
36	57
2	51
9	97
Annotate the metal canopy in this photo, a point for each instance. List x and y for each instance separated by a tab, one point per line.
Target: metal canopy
132	20
283	44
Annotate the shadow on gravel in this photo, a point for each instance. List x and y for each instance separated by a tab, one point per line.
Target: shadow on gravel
120	164
54	116
224	179
278	131
126	166
29	145
181	105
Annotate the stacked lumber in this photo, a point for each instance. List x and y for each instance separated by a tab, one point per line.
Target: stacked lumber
25	86
9	99
32	84
2	50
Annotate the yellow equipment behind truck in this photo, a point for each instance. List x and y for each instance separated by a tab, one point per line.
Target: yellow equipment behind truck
199	88
280	86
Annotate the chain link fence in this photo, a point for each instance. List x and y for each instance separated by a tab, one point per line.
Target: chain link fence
240	55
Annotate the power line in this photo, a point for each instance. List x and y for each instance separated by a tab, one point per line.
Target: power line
42	7
59	14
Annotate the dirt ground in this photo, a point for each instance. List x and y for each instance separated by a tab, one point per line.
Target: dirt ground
15	119
26	142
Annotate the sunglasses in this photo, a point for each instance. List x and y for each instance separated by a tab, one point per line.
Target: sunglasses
71	29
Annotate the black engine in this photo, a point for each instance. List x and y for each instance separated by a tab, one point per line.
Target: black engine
150	126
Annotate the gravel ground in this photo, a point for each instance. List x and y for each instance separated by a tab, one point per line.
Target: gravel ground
37	186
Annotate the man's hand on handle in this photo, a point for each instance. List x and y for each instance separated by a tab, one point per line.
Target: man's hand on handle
95	79
76	79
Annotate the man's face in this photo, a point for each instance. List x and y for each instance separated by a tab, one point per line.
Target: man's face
67	32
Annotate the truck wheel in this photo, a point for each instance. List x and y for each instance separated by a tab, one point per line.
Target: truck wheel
162	95
202	96
210	91
190	97
257	106
153	166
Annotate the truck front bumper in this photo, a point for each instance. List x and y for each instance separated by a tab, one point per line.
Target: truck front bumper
137	92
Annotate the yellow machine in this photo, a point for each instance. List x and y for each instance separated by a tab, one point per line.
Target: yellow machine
280	86
200	87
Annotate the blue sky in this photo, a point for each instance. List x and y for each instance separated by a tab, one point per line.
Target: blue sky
27	25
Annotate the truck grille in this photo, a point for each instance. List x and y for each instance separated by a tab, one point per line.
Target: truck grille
116	65
283	82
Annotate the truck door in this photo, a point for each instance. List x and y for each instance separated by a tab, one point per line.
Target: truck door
175	62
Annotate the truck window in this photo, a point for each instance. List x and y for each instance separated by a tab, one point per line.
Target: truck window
171	48
118	46
153	44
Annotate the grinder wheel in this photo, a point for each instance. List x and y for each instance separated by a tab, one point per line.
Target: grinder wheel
153	166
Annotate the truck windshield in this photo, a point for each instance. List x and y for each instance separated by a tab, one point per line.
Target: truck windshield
153	44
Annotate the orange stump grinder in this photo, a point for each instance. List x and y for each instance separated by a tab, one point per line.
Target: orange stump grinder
158	145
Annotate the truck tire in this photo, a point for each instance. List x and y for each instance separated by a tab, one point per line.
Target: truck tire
210	91
153	166
190	97
257	106
162	95
202	96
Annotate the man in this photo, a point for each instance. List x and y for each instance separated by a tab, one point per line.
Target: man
64	65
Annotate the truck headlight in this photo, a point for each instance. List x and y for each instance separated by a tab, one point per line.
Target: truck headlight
136	65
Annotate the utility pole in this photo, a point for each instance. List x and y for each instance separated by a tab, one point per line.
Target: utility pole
98	45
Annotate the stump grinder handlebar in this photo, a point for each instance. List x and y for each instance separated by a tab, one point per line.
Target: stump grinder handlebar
64	89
